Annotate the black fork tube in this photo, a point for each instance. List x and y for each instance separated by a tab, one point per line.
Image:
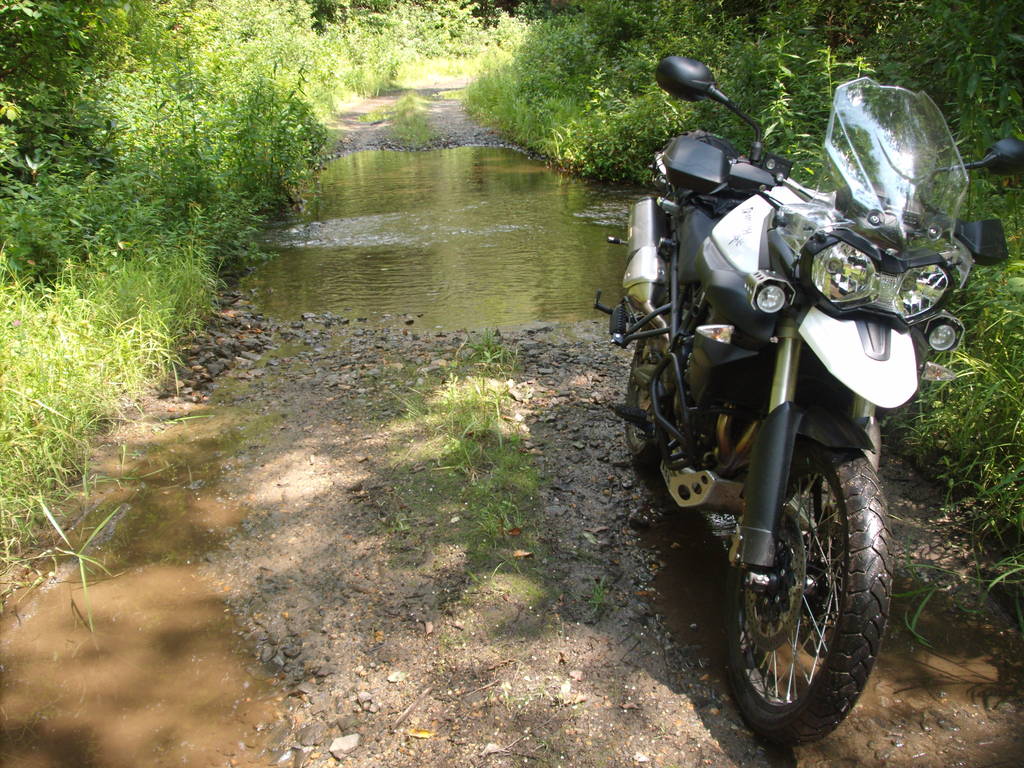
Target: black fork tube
765	487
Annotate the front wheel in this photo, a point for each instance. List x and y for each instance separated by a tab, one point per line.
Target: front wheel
803	640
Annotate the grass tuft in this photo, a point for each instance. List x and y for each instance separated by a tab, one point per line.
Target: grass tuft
483	488
409	121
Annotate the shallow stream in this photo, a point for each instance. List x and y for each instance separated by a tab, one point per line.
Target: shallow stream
460	238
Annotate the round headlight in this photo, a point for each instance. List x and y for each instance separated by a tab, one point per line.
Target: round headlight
844	275
921	289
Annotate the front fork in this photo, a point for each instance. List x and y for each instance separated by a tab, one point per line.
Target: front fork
768	477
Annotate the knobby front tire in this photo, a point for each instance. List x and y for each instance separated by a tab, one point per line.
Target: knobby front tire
800	653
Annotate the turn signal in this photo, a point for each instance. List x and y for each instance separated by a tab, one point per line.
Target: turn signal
722	333
935	372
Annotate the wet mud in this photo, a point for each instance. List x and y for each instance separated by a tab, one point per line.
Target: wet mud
142	665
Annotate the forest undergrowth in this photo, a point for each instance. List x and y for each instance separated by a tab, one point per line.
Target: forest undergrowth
141	144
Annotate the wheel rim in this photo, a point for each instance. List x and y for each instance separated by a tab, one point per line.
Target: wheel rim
786	632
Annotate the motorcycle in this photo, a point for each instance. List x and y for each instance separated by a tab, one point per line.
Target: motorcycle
771	323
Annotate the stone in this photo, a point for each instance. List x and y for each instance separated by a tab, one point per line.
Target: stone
343	745
311	734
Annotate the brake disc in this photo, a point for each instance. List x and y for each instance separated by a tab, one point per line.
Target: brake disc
772	614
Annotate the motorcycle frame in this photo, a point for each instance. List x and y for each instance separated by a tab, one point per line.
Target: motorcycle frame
765	486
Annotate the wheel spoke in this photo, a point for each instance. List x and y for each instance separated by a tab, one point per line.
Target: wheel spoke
792	661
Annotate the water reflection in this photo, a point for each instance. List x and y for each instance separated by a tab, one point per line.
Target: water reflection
467	237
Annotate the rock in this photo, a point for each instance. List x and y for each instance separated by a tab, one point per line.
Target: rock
343	745
311	734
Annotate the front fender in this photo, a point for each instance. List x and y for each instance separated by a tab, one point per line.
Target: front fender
768	476
887	378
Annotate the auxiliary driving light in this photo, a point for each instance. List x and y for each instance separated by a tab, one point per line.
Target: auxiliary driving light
942	337
943	332
771	298
768	291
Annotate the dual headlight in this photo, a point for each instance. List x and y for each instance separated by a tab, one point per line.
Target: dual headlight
849	278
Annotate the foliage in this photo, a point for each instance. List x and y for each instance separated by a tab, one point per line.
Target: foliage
579	87
140	141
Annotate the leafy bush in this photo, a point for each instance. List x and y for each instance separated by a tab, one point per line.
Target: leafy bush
140	141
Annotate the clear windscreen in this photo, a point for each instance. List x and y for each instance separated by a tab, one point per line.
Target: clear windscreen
898	172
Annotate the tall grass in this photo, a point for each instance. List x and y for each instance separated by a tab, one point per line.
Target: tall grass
71	352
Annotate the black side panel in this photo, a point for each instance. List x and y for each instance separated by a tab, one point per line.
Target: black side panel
692	164
727	292
719	371
691	235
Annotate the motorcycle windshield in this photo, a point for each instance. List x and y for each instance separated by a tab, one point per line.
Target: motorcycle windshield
899	174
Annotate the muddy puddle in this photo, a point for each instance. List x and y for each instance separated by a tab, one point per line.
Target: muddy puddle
948	697
161	679
467	237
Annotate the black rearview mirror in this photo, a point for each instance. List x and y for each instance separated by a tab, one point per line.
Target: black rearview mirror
687	79
1005	157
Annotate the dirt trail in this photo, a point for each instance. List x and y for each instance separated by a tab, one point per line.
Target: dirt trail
389	645
444	111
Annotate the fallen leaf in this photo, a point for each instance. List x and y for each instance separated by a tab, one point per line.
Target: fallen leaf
428	627
419	733
514	531
491	749
396	677
520	553
590	537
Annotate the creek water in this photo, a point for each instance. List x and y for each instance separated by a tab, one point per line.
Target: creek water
461	238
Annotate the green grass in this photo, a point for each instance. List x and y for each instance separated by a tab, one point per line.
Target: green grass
69	355
409	121
481	488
